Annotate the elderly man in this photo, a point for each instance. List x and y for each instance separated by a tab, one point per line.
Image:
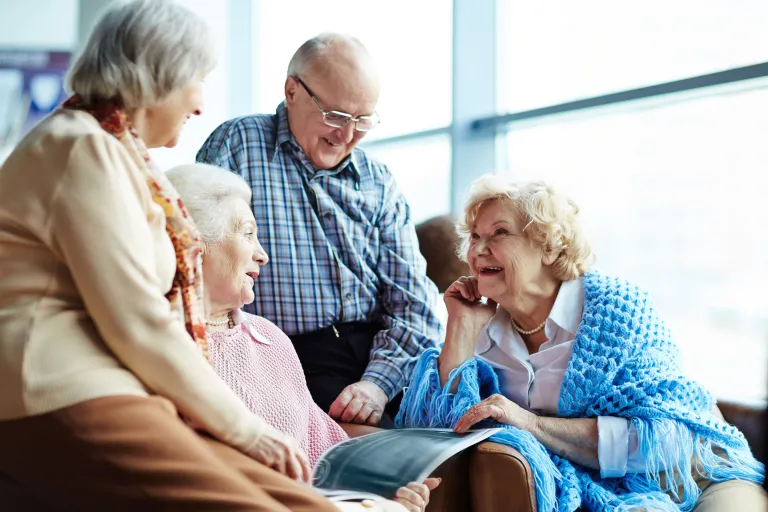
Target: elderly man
350	290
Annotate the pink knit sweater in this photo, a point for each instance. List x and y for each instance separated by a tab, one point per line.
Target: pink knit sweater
258	361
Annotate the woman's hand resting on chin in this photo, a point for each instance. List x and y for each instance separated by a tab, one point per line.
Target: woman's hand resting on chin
463	301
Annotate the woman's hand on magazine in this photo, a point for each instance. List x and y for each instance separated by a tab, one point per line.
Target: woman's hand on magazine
499	408
415	496
281	453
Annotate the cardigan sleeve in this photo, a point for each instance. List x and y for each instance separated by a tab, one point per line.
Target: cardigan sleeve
99	227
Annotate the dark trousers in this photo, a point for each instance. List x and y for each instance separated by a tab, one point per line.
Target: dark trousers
333	362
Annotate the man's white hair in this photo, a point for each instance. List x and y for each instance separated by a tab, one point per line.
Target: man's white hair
141	51
208	192
316	47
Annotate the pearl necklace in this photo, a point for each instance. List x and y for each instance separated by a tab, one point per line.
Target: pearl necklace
217	323
532	331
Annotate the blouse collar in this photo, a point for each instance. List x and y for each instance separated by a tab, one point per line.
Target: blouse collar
565	314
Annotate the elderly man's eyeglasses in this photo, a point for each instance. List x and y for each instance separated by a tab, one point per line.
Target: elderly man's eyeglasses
338	119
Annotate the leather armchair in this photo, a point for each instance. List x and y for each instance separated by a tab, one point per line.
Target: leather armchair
490	490
751	421
488	477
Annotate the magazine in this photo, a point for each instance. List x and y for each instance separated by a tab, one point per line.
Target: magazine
377	465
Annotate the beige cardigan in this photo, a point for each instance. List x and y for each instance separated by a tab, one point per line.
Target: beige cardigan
84	265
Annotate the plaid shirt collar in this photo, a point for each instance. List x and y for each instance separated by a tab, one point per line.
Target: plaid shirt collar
284	136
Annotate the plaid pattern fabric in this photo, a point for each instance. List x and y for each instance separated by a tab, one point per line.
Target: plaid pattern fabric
341	241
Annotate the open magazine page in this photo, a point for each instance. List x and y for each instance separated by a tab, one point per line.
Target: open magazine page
382	462
336	495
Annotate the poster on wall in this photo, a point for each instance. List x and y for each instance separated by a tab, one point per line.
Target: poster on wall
31	86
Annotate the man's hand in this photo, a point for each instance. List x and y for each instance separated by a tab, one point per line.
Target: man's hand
361	402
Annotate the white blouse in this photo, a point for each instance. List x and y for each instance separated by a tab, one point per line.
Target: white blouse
533	381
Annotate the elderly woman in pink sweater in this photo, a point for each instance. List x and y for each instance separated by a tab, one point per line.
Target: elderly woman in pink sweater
250	353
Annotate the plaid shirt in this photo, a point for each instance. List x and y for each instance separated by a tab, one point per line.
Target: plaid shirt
341	241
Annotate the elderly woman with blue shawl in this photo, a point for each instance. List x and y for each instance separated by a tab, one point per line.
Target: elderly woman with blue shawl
578	368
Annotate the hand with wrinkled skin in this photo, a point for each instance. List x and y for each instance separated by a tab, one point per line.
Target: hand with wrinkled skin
281	453
462	300
574	439
362	402
499	408
467	316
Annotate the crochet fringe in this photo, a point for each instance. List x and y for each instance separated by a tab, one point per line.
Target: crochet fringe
674	461
564	487
427	404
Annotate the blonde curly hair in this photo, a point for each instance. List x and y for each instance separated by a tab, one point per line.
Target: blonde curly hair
551	220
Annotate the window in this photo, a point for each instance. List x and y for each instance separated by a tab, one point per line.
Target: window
558	51
422	169
49	25
673	194
410	42
216	107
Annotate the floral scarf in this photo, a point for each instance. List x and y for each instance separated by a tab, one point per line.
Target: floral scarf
186	294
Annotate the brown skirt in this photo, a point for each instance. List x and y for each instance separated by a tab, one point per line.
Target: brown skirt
134	453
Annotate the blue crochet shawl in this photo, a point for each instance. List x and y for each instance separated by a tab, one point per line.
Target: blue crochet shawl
624	364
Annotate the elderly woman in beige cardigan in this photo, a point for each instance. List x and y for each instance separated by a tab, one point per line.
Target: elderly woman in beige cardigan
102	335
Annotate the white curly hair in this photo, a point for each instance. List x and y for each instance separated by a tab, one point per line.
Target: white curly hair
551	220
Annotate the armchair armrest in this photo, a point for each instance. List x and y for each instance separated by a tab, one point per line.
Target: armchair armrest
453	493
501	479
489	476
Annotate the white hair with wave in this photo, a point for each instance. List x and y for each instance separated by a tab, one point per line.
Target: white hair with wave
208	192
141	51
